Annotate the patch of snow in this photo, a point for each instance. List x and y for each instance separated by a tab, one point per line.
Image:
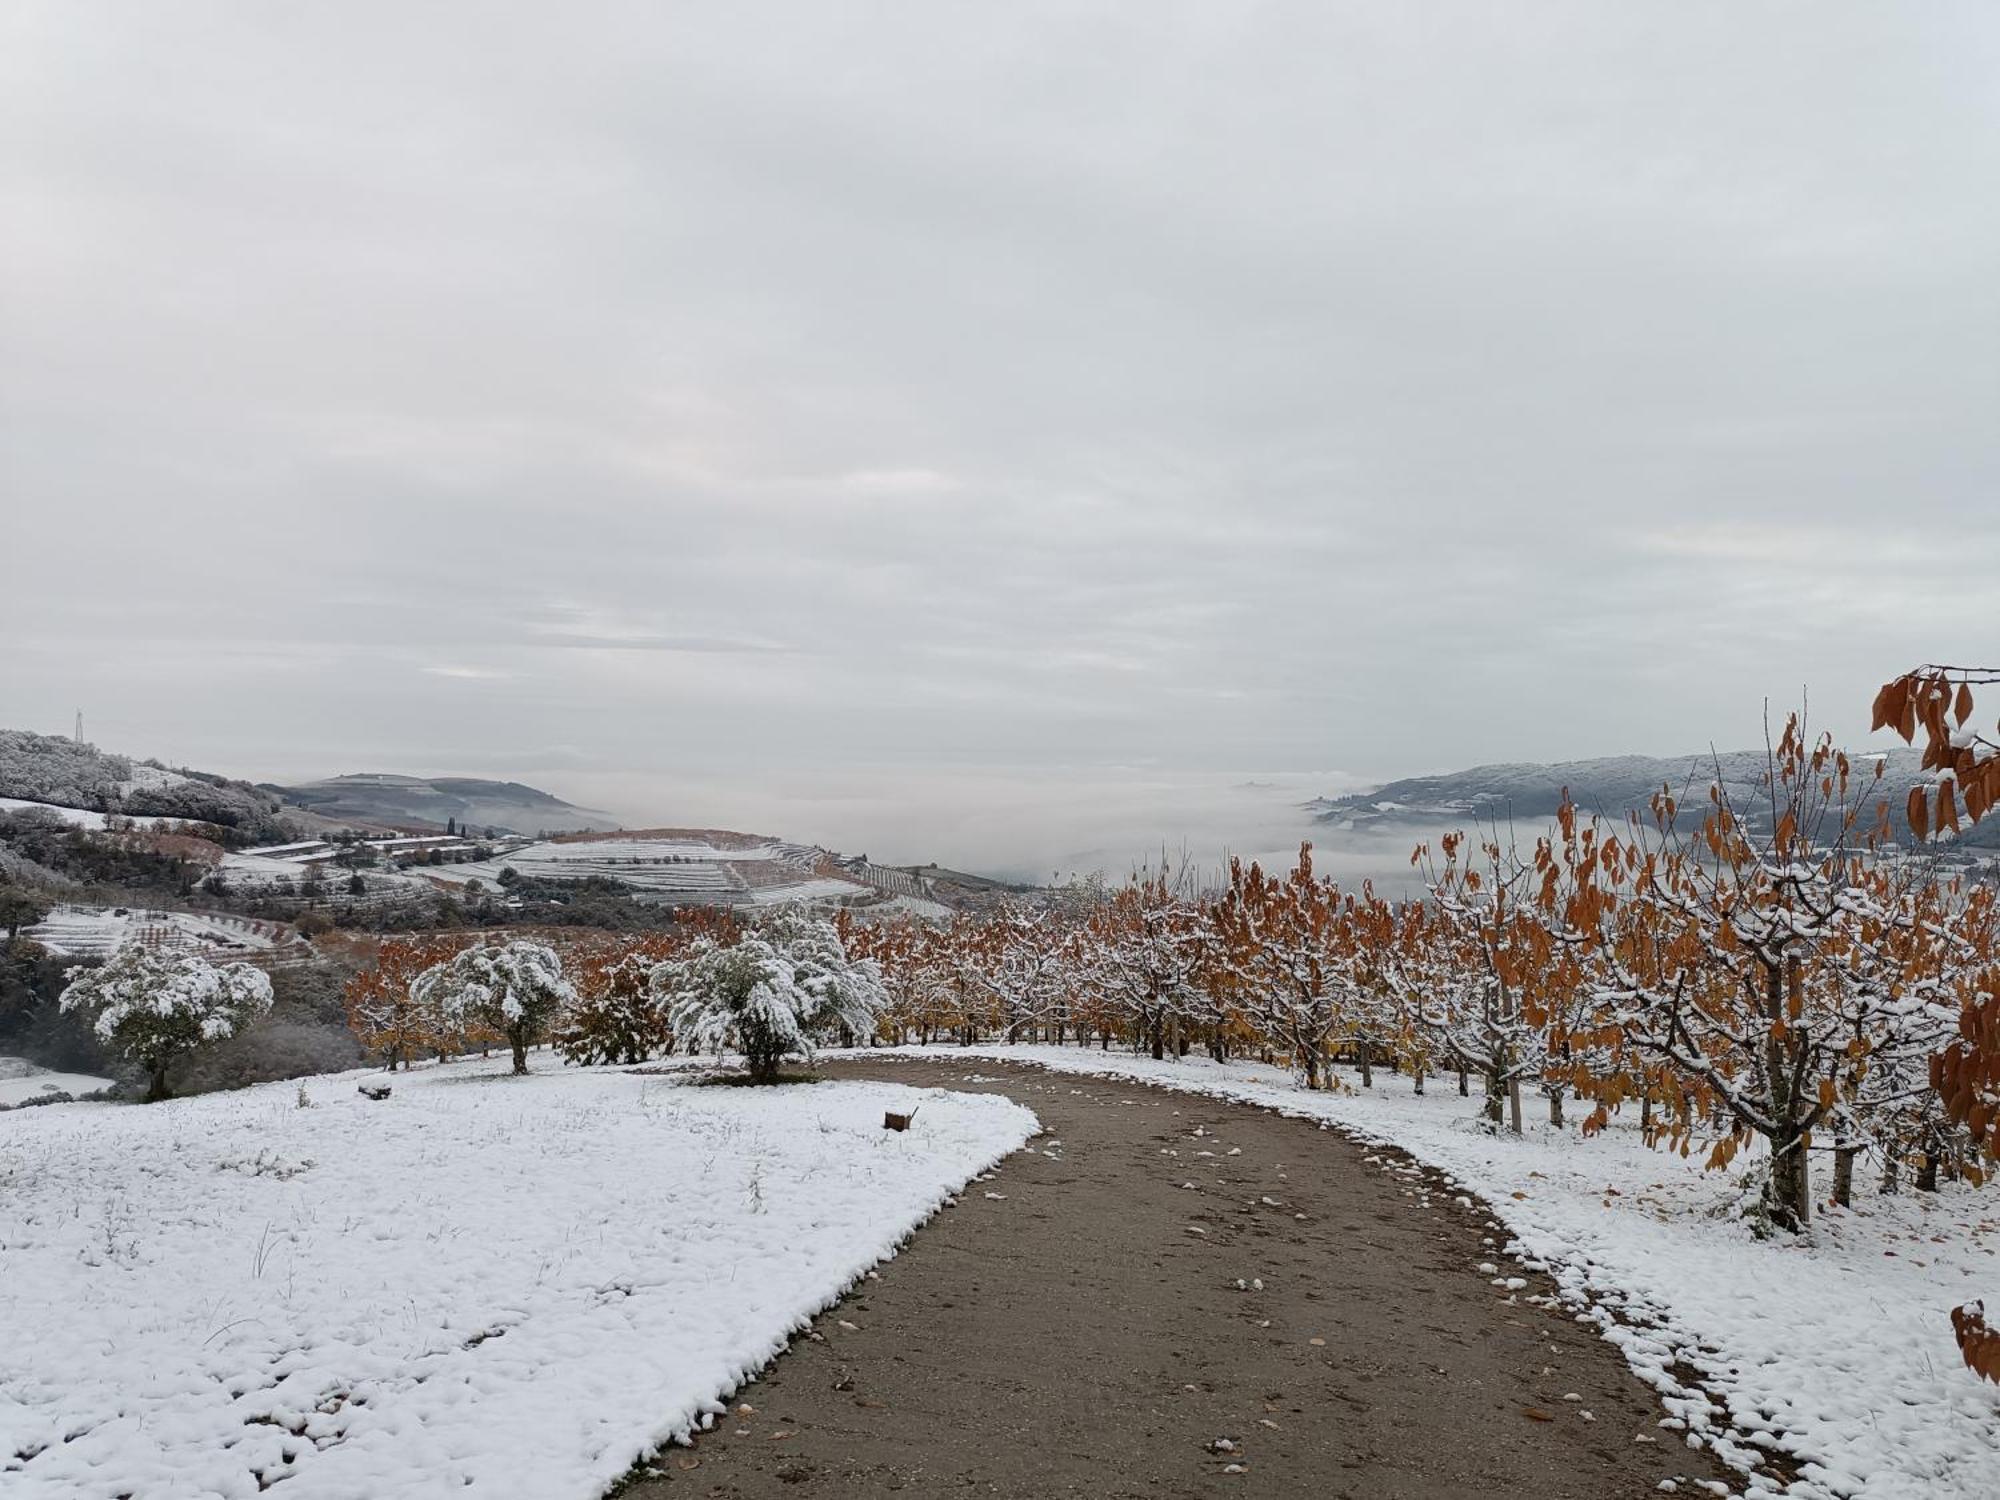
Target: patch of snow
83	817
480	1286
21	1080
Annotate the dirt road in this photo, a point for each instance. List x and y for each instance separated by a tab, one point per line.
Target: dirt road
1075	1327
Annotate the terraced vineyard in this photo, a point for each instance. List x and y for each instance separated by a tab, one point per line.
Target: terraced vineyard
99	931
696	866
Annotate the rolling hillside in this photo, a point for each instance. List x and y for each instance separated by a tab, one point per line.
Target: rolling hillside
379	798
1529	792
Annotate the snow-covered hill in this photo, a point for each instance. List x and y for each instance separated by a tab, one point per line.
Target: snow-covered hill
1529	792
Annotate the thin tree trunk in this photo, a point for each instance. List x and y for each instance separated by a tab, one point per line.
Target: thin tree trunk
1791	1186
1843	1175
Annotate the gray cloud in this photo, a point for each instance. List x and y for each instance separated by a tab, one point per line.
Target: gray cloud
778	391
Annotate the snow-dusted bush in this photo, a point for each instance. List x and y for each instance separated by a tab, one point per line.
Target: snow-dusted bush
774	993
156	1007
518	989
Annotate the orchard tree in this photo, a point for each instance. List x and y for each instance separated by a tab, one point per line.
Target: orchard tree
1144	951
517	989
1739	956
1472	981
1965	762
1018	962
384	1013
1280	939
775	993
615	1018
158	1006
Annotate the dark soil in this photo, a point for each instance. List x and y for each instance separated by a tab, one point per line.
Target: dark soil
1063	1331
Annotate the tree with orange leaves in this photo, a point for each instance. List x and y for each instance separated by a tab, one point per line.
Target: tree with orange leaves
1965	760
381	1011
1469	978
615	1018
1281	938
1767	966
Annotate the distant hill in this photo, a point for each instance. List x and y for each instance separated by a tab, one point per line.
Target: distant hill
67	773
432	802
58	770
1530	792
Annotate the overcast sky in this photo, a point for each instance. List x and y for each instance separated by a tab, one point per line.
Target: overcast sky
761	393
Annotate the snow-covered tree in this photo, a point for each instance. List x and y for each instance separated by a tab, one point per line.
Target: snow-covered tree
518	989
1761	969
1019	965
775	993
1144	951
157	1006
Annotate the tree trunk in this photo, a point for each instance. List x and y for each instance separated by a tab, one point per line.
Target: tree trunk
1843	1175
156	1084
1514	1105
1367	1073
1927	1172
520	1055
1556	1108
1892	1173
1464	1083
1159	1040
1417	1069
1494	1091
1790	1199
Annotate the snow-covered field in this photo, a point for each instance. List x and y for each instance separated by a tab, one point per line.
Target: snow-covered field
669	868
99	931
1837	1354
21	1080
480	1286
81	817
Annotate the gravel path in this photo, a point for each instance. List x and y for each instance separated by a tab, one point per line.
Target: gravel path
1064	1330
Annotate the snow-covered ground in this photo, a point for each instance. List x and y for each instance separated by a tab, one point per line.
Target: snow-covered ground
675	867
817	888
21	1080
75	931
81	817
1837	1353
482	1286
